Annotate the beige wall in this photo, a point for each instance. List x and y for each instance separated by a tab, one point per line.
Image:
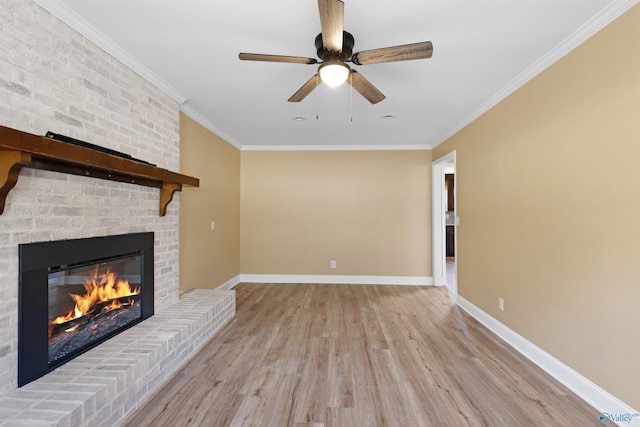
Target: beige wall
548	191
208	258
368	210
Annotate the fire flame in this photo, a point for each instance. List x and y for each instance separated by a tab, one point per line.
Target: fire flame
99	288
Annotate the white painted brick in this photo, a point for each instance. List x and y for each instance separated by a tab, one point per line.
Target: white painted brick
73	410
51	78
61	82
15	403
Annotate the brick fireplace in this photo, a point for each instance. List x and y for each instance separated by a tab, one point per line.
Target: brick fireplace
53	79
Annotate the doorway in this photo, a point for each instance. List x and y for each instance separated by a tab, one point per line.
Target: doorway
445	224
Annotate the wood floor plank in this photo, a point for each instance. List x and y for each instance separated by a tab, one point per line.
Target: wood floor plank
338	417
281	408
311	399
339	385
358	355
253	409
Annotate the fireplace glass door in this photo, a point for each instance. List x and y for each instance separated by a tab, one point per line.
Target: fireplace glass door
89	302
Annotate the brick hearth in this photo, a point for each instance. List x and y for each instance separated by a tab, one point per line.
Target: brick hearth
103	386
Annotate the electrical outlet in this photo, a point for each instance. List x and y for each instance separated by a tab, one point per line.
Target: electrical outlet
500	304
213	225
332	264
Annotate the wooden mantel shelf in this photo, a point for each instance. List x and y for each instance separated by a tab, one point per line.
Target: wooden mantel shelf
21	149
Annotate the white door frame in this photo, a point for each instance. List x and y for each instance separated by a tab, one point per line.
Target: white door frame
438	222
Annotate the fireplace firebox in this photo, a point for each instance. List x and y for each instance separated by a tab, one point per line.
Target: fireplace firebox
75	294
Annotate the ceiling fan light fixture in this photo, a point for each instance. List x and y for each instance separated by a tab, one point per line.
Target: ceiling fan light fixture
334	73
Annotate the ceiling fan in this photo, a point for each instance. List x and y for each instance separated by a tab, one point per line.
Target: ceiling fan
335	48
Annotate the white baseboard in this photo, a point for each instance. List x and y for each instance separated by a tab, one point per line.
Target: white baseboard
591	393
331	279
230	284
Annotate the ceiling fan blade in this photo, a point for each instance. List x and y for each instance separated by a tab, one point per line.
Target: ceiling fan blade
365	88
405	52
305	90
276	58
331	23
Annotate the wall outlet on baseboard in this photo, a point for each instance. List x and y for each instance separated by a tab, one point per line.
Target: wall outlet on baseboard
332	264
500	304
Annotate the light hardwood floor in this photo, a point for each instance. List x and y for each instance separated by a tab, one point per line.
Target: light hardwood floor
351	355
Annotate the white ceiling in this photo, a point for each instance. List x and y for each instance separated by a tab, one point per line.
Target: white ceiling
483	50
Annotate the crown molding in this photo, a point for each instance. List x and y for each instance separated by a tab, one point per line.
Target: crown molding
598	22
419	147
79	24
195	115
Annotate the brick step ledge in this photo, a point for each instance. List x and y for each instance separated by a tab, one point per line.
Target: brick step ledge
105	385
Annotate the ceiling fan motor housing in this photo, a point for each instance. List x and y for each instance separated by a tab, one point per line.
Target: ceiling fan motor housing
327	55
